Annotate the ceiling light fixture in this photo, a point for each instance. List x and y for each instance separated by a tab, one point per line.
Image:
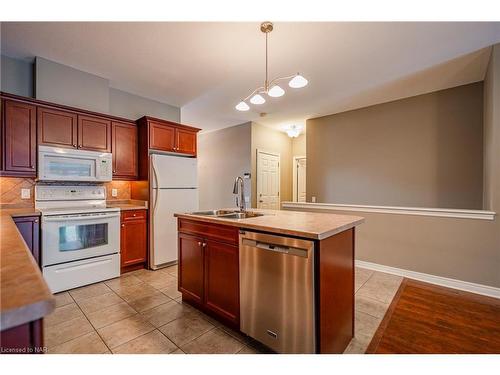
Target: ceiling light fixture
270	88
293	131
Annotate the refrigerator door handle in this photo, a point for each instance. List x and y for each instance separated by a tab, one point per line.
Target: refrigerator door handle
155	176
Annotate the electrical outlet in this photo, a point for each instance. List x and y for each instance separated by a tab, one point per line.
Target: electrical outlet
25	193
114	192
313	199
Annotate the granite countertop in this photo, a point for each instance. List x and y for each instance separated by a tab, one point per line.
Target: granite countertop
128	204
25	296
312	225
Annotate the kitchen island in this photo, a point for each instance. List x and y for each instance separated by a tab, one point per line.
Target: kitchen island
25	296
284	278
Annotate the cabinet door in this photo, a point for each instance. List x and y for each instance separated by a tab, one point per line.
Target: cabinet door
57	128
124	150
222	294
94	133
29	227
133	242
185	141
19	138
161	137
191	266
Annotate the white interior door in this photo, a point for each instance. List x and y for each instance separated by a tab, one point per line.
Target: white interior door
300	180
268	180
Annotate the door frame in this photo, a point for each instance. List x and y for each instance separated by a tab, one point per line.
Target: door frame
260	151
295	160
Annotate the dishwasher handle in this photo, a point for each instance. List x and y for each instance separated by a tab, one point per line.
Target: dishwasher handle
276	248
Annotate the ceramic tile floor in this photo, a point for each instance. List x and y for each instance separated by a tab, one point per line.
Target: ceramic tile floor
142	312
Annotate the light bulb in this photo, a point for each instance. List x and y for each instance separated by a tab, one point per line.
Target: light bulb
257	99
276	91
293	131
297	82
242	106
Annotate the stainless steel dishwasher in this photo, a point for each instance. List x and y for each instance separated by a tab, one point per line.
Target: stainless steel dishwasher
277	291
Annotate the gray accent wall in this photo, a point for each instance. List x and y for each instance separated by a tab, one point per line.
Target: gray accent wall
16	76
53	82
62	84
222	156
132	106
423	151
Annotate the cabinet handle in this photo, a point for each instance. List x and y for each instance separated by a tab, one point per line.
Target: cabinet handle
199	243
114	170
36	220
123	225
135	215
204	244
32	167
74	144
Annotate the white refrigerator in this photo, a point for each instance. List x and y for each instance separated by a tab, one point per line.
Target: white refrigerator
174	188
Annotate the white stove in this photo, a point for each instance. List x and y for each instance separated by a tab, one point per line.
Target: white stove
80	235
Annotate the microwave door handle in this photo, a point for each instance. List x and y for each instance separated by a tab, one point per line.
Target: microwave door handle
75	218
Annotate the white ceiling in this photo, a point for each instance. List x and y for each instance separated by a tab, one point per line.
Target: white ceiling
206	68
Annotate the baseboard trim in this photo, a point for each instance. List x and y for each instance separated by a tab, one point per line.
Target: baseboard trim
484	290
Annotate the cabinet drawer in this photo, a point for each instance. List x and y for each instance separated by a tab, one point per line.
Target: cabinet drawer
218	232
134	215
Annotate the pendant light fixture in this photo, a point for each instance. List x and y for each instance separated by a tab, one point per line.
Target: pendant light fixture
270	88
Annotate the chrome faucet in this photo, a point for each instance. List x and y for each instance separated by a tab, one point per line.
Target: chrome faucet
238	189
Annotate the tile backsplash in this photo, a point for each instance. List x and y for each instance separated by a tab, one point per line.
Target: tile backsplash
122	187
10	190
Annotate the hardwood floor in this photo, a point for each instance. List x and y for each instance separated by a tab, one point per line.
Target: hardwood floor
427	319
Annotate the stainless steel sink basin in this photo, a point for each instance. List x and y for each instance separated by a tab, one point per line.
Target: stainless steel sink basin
241	215
228	214
214	212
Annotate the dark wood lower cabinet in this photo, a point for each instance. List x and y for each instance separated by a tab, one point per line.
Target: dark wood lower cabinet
222	292
209	279
209	269
133	240
24	339
191	267
29	226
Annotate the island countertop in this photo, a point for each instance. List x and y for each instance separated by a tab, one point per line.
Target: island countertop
313	225
25	296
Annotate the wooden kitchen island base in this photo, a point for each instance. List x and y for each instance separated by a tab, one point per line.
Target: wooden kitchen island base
209	278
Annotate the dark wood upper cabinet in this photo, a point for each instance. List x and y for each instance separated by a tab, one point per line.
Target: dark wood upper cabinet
161	137
29	227
222	292
94	133
19	139
124	149
57	128
185	141
191	265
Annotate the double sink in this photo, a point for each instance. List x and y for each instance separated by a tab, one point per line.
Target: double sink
228	214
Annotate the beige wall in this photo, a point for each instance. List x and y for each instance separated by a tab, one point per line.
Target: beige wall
491	180
299	145
424	151
462	249
271	140
222	156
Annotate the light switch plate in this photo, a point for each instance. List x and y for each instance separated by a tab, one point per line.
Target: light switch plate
313	199
114	192
25	193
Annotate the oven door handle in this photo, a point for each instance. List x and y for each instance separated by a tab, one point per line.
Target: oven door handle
75	218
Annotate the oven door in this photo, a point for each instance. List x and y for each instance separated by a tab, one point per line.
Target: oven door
66	238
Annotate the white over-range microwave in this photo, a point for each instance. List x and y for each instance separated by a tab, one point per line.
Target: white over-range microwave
62	164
